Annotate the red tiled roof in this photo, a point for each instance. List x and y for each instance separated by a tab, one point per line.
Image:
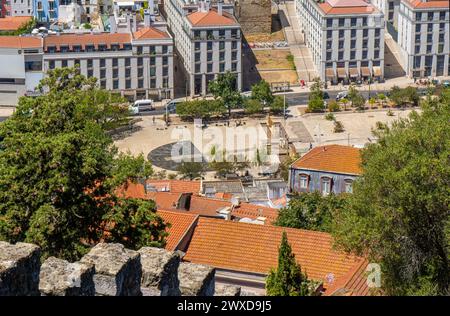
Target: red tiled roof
164	200
20	42
176	186
354	283
211	18
149	33
87	39
13	23
346	7
332	158
254	248
418	4
207	206
132	190
180	225
254	211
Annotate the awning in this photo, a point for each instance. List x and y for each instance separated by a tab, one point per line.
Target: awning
353	72
377	71
341	73
365	72
329	73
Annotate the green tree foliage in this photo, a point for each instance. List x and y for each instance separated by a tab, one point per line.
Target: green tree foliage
402	97
262	92
283	170
200	109
253	106
398	214
316	89
287	279
224	166
59	172
277	105
316	105
356	98
311	211
224	87
191	170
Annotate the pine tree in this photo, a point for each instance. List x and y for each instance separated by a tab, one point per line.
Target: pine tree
287	279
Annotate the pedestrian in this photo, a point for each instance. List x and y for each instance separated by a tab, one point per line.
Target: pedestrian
153	119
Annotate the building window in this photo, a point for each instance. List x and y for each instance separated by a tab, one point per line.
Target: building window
127	62
209	56
353	33
115	62
197	46
303	181
209	67
222	67
139	50
152	83
164	49
209	46
140	83
348	186
115	73
102	62
140	61
222	56
233	66
102	73
325	185
152	61
418	26
128	84
234	45
116	84
64	63
90	73
221	45
140	72
51	64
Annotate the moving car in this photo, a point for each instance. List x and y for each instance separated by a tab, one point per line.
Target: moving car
341	95
140	106
172	104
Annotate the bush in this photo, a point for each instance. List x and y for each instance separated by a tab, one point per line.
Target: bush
316	105
200	109
390	113
338	127
277	106
330	117
333	106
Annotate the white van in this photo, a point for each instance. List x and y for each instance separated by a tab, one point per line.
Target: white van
140	106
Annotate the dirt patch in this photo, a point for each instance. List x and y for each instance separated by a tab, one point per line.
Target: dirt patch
280	76
273	59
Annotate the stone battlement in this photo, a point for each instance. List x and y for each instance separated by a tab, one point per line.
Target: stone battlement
107	270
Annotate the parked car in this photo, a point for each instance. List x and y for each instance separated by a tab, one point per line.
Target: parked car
172	105
341	95
140	106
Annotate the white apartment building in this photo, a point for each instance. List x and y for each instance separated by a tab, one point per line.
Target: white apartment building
207	40
389	9
423	36
346	38
20	67
138	64
21	7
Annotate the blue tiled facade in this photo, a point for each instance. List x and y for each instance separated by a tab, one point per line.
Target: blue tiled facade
47	10
303	180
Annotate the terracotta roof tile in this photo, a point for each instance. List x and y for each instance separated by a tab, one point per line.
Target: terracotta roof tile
254	248
180	225
207	206
354	283
211	18
176	186
418	4
149	33
333	158
87	39
164	200
332	7
20	42
13	23
254	211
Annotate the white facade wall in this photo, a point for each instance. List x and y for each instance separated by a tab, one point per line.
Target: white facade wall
343	42
204	52
21	7
423	36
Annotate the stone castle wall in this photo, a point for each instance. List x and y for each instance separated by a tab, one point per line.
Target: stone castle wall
255	16
107	270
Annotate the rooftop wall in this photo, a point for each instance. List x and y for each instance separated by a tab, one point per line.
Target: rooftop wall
107	270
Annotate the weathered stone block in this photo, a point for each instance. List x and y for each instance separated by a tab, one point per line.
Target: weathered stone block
61	278
160	271
118	270
227	290
19	269
196	279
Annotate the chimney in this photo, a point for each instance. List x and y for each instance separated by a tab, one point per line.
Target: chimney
147	19
134	23
151	6
112	24
219	7
225	213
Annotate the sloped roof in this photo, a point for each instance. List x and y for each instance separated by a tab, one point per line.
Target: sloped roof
87	39
418	4
20	42
149	33
13	23
336	7
180	225
176	186
354	283
332	158
254	211
254	248
211	18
